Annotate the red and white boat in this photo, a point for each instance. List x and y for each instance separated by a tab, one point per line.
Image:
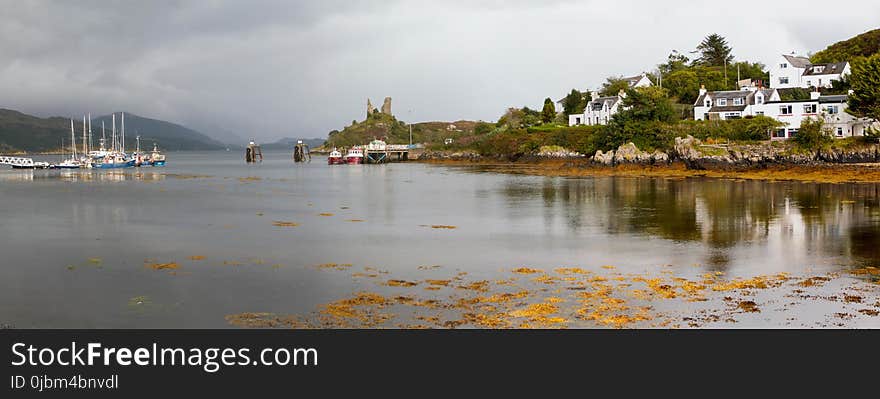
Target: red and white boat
355	156
335	158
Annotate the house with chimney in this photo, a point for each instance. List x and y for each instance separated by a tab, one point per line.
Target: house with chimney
599	110
795	71
755	101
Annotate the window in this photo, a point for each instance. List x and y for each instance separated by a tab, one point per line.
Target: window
818	69
759	113
832	109
809	108
820	82
577	120
840	132
779	133
792	132
732	115
785	110
708	103
759	98
722	102
809	82
783	80
737	101
783	65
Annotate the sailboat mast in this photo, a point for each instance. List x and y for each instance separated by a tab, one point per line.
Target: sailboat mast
103	137
123	132
72	141
113	133
85	149
90	132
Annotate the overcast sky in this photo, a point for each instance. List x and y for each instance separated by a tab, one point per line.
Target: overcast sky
269	69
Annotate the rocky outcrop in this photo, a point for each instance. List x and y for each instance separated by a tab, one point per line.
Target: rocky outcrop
386	106
555	151
630	154
370	108
449	156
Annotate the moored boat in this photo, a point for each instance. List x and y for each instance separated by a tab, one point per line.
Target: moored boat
156	158
355	156
335	158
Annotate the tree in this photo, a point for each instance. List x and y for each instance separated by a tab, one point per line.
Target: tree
613	86
646	104
812	134
675	62
549	111
714	51
864	101
684	85
574	103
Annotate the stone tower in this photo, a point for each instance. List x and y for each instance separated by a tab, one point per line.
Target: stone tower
386	106
369	108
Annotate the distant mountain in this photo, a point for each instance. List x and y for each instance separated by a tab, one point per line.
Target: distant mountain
864	45
287	143
20	132
169	136
227	137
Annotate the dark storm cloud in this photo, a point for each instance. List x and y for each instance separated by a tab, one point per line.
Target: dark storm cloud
294	68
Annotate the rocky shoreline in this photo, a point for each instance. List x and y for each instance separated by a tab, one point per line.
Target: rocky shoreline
690	157
692	153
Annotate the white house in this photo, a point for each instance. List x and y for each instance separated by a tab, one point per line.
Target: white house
829	108
750	102
599	110
794	71
732	104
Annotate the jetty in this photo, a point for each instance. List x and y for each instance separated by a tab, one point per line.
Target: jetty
16	162
379	152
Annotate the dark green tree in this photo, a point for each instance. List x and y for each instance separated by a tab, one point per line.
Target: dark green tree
574	103
647	104
613	86
675	62
812	134
549	111
714	51
865	82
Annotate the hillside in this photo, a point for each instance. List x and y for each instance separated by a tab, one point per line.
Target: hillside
20	132
393	131
863	45
169	136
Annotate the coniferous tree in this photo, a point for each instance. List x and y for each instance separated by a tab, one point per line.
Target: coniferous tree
549	111
714	51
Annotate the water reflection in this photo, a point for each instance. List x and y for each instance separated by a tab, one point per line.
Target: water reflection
723	215
29	175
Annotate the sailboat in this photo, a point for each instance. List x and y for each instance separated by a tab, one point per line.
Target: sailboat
116	157
72	162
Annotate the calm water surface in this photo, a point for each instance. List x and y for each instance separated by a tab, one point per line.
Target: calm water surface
75	242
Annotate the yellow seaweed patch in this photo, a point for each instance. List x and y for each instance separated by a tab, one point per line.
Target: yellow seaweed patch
164	266
96	261
325	214
355	220
279	223
249	178
197	257
336	266
440	226
748	306
438	282
526	270
400	283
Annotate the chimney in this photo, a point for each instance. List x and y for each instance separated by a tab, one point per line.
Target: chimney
814	95
621	93
702	89
594	95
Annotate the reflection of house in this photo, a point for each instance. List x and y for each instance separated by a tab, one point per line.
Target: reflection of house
755	101
794	71
599	110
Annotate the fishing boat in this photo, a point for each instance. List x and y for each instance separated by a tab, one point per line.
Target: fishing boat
335	158
156	158
355	156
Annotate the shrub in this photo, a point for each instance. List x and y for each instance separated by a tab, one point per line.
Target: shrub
812	135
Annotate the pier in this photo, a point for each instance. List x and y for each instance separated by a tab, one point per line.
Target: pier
17	162
379	152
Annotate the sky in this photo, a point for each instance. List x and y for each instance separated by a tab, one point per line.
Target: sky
270	69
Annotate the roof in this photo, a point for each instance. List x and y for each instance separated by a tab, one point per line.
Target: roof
728	108
837	98
632	80
747	95
797	61
833	68
596	105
